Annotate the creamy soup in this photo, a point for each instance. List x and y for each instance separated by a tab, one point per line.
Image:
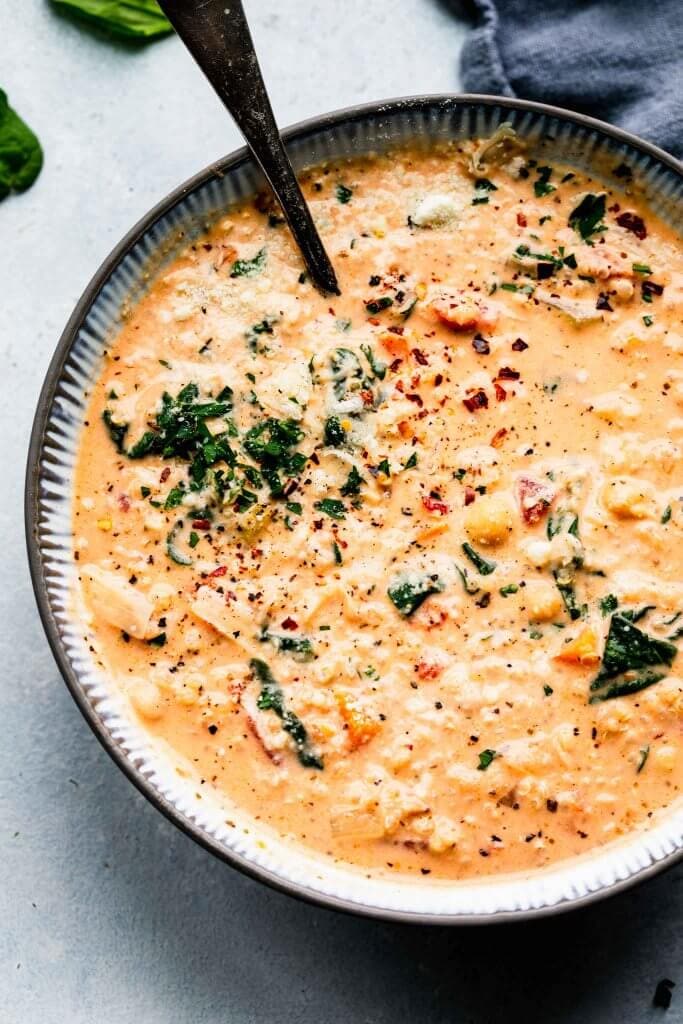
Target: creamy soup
399	573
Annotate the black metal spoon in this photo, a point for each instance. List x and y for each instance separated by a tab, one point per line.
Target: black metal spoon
217	35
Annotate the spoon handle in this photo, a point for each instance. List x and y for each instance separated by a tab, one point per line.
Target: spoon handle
217	35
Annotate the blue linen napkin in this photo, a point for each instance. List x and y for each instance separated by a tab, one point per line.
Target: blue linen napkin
619	60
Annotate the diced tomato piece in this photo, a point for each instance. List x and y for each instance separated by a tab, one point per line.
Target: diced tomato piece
435	505
535	498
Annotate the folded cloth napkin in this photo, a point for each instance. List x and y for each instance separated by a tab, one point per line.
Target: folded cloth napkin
619	60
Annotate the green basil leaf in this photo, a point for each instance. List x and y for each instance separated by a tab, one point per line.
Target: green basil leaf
21	155
132	19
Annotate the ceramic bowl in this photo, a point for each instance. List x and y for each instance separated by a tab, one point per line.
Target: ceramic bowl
122	278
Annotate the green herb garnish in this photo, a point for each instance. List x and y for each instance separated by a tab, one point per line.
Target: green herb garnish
344	194
352	484
644	754
608	604
486	757
248	268
586	218
542	186
331	507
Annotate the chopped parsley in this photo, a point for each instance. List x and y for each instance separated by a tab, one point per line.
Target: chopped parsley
487	757
331	507
542	186
352	484
248	268
586	218
344	194
608	604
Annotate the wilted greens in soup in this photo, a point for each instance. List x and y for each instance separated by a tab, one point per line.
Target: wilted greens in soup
400	572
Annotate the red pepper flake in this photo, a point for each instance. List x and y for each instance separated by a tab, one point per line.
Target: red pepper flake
499	437
374	321
535	498
478	400
368	397
416	399
438	380
633	223
434	505
395	365
519	344
399	385
220	571
420	357
506	373
521	220
501	393
124	502
470	495
201	524
395	330
428	670
289	623
165	473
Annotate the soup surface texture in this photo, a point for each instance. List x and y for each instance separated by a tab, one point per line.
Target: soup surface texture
399	572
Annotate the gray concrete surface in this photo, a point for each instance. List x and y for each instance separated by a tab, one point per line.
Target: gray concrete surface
107	913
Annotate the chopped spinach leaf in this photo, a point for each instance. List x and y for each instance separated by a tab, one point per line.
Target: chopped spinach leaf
379	369
271	698
334	435
172	550
627	650
300	647
117	431
470	587
481	564
408	591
